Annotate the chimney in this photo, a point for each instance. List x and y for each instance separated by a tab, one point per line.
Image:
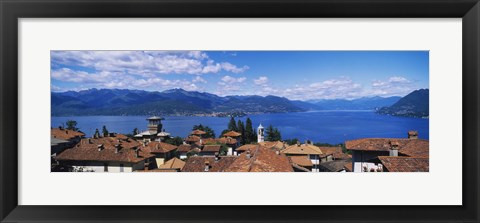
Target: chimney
207	166
380	168
100	147
66	131
412	134
117	148
277	152
393	148
248	154
89	141
137	153
217	156
298	143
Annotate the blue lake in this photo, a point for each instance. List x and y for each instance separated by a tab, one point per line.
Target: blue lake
318	126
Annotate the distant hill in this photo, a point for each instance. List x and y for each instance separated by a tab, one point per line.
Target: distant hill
181	102
365	103
170	102
415	104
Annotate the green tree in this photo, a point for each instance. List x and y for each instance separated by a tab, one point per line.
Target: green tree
272	134
191	153
97	134
174	141
241	130
249	132
72	125
223	150
291	141
232	125
104	131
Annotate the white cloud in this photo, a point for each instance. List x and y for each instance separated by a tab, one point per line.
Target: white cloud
231	80
393	86
143	63
261	80
232	68
198	79
123	81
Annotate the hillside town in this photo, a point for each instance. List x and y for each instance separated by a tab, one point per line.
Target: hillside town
152	151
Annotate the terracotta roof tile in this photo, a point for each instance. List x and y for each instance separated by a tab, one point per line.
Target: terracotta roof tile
209	141
65	134
232	134
160	147
273	145
211	148
335	165
246	147
198	132
227	140
348	167
304	149
261	160
409	147
197	163
87	150
301	160
404	164
184	148
335	151
192	138
174	163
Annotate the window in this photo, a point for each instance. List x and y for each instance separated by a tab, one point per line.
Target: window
105	167
121	167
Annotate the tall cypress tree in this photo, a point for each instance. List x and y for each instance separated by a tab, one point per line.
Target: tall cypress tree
105	131
249	132
269	133
241	130
232	126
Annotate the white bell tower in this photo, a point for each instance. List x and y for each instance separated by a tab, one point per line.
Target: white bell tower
260	134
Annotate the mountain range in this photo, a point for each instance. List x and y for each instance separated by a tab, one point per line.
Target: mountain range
181	102
415	104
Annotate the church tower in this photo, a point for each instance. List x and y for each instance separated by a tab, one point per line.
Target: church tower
154	124
260	133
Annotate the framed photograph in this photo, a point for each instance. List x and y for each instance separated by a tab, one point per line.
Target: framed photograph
239	111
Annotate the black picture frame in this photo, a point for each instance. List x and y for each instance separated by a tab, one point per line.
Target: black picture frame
12	10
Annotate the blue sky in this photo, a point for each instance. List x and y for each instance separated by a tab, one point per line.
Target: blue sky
298	75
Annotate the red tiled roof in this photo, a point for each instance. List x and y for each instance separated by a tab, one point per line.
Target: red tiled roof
405	164
301	160
197	163
227	140
209	141
211	148
261	160
232	134
198	132
348	167
335	151
65	133
273	145
192	138
184	148
160	147
304	149
247	147
174	163
87	150
409	147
